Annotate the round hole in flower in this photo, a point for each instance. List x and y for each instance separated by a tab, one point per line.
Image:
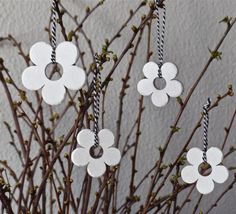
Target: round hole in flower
159	83
96	151
53	71
204	169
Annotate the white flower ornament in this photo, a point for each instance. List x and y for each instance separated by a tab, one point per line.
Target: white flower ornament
160	97
205	184
95	166
34	77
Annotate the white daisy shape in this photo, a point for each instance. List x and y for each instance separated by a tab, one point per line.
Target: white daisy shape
160	97
34	77
96	166
205	184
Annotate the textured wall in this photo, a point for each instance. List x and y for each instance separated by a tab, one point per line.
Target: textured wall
192	27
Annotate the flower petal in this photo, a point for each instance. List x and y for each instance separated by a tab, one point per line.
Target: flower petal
66	53
219	174
189	174
53	92
194	156
96	168
40	53
80	157
169	70
214	156
159	98
146	87
33	77
106	138
205	185
111	156
73	77
173	88
85	138
150	70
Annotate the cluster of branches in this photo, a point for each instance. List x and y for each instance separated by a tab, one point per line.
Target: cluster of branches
23	191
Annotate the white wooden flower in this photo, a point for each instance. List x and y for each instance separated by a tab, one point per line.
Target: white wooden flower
95	166
205	184
34	77
160	97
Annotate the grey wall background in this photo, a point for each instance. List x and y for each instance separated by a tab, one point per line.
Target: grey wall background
192	27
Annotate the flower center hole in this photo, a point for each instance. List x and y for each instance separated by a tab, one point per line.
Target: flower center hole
96	151
54	71
159	83
204	169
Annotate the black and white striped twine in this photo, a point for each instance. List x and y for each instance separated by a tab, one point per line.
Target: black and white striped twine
160	35
54	32
96	99
205	128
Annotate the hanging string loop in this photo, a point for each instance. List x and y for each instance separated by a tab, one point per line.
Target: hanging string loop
160	27
96	98
54	31
205	128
